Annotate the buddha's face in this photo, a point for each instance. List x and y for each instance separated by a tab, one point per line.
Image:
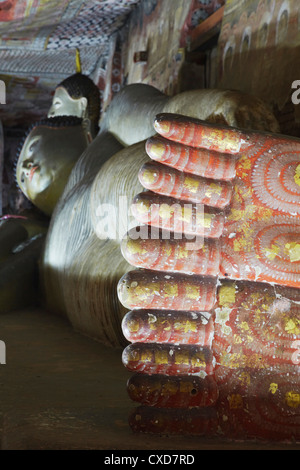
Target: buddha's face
64	105
45	162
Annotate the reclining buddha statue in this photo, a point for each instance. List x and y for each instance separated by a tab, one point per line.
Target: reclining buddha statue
214	323
81	264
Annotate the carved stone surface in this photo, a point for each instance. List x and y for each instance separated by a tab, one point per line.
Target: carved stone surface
215	323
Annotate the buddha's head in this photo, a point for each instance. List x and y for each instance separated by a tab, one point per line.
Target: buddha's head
46	157
78	96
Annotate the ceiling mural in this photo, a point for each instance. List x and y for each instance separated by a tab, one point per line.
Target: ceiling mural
60	24
38	41
39	38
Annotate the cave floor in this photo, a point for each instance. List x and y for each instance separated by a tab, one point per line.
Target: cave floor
61	390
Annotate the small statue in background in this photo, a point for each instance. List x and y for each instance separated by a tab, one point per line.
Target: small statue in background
77	95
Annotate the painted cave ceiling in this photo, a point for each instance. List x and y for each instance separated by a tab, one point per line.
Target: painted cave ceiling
38	41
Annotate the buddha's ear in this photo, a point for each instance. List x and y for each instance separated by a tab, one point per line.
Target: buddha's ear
83	102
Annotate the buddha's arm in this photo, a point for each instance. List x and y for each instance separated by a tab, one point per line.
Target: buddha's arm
21	241
19	277
11	234
131	114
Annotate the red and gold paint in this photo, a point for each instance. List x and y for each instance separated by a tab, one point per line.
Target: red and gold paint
214	326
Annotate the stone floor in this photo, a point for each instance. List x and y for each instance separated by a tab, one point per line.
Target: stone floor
60	390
